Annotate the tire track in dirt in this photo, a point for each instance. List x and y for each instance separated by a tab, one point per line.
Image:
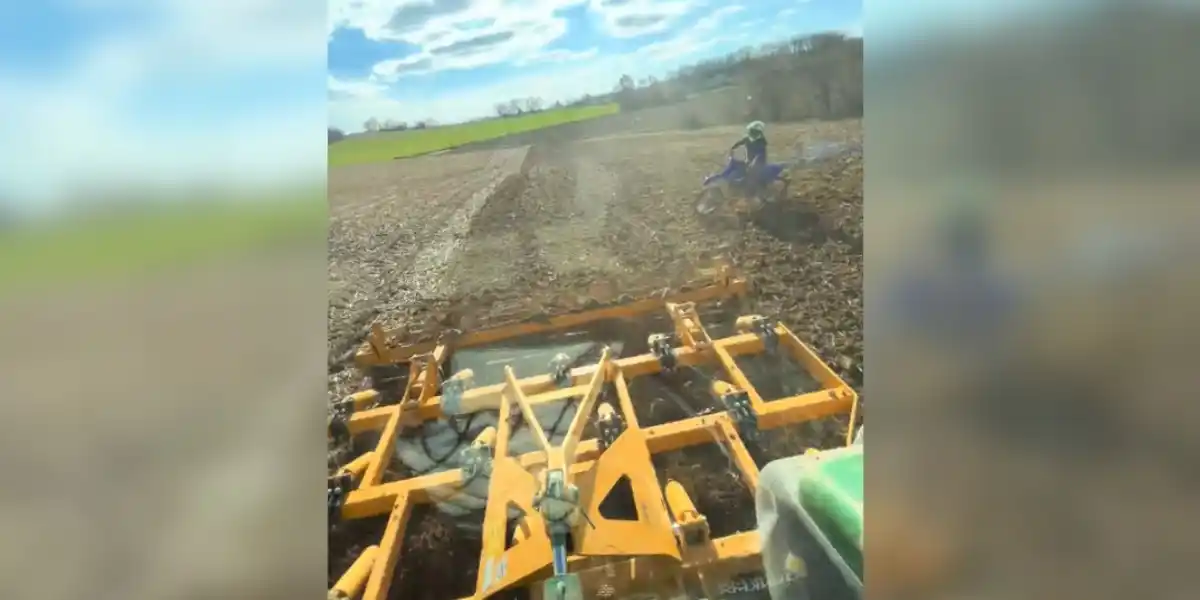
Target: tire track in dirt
650	226
541	250
426	278
499	250
395	285
574	246
591	227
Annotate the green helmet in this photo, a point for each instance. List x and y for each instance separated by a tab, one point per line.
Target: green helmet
755	130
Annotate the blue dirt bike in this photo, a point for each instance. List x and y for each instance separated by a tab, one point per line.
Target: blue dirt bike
734	180
773	185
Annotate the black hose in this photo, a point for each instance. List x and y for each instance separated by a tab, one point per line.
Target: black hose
438	462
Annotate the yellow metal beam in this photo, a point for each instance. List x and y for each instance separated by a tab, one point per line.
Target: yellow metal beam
488	397
376	500
369	356
380	579
383	451
352	582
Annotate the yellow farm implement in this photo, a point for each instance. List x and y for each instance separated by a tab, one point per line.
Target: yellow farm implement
563	544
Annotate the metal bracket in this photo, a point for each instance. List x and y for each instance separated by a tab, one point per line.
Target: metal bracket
476	459
609	425
563	587
763	328
558	503
560	370
453	389
476	462
660	347
336	489
737	404
688	327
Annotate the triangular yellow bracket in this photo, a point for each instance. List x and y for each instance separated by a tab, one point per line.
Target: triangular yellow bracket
651	534
510	484
501	569
562	456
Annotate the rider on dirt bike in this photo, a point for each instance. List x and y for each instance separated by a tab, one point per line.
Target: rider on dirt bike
756	154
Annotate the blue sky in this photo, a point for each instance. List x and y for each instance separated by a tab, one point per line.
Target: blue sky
98	97
455	59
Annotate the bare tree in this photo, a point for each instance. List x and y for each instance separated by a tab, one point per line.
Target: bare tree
532	104
371	124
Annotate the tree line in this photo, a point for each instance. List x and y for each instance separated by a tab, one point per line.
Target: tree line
813	76
806	77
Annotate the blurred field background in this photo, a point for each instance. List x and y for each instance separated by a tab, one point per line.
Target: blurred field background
368	147
155	239
162	285
1031	394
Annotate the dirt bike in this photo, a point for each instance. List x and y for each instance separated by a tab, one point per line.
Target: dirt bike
734	180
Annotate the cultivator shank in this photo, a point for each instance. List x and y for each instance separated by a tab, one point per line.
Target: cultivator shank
566	543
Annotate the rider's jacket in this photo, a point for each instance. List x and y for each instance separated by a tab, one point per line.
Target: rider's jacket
756	150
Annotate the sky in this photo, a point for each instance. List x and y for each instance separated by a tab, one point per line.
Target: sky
97	95
453	60
100	97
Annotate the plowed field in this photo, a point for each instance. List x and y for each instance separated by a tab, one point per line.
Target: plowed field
473	239
467	240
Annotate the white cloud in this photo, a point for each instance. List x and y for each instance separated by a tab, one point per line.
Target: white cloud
575	74
558	56
633	18
477	47
351	103
454	34
568	81
693	39
362	89
467	34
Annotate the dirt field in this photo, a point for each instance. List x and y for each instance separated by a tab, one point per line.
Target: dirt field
591	219
566	223
394	226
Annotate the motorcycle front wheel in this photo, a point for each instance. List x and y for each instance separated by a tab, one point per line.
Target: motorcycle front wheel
710	199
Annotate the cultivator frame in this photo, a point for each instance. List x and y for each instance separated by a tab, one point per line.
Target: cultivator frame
667	547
